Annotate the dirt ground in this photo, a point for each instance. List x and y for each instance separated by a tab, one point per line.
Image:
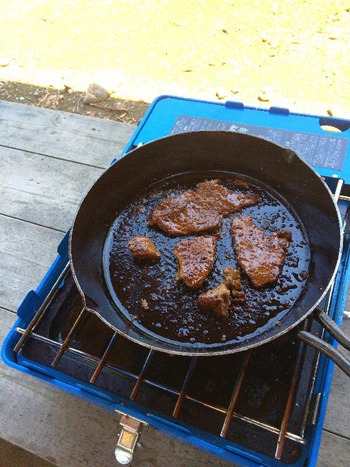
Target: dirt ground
291	53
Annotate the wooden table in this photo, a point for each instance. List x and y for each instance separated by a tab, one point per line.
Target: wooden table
48	159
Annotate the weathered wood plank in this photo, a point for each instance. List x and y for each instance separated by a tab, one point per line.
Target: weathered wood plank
13	455
26	251
69	136
338	409
334	451
41	189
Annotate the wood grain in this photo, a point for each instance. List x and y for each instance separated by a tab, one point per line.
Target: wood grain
41	189
27	250
76	138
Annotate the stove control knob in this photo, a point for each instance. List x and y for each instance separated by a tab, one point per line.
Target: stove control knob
128	437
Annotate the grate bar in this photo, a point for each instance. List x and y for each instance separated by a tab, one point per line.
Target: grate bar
182	394
235	394
140	378
289	405
67	341
40	338
271	429
103	359
337	191
41	310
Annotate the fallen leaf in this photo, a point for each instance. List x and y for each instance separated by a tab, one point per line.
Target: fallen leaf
221	94
263	97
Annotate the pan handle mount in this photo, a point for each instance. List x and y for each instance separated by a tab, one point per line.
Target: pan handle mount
327	349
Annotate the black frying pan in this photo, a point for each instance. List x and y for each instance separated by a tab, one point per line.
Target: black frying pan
192	157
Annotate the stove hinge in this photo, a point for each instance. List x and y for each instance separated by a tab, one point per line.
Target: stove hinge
130	431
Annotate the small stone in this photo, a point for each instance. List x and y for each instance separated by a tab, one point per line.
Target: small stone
95	93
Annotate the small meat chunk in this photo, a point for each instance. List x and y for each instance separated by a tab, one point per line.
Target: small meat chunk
144	304
232	278
261	256
195	258
198	210
240	183
142	247
233	282
216	301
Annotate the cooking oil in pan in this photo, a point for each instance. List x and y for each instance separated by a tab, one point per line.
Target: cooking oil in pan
172	310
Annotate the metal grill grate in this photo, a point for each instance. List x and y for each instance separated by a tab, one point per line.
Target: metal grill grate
170	384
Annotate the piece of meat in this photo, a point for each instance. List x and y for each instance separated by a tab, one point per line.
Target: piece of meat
198	210
232	278
240	183
216	301
261	256
184	214
195	258
142	247
233	282
222	199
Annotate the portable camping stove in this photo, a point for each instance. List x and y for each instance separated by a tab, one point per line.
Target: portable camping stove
265	406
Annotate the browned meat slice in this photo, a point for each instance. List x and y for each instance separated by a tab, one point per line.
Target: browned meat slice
222	199
261	256
142	247
195	258
233	282
185	214
199	210
216	301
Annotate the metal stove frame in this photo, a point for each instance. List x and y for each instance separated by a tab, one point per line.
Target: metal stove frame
36	304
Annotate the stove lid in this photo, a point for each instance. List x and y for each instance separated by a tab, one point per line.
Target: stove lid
308	135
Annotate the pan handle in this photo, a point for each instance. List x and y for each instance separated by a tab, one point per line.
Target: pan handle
327	349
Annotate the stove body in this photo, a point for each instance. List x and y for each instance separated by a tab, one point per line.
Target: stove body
261	407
